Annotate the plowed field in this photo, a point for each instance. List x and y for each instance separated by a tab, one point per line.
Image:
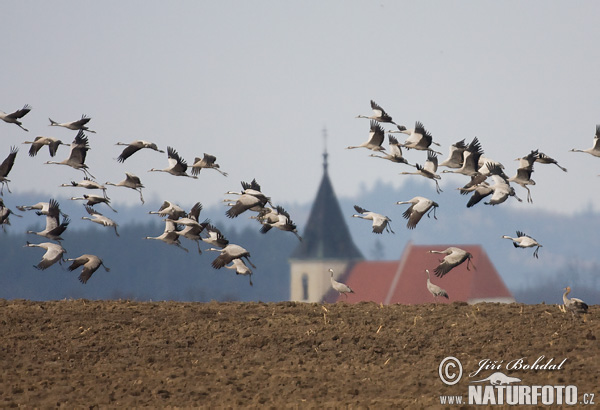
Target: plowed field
80	353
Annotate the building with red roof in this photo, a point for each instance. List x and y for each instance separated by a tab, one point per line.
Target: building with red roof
405	281
328	244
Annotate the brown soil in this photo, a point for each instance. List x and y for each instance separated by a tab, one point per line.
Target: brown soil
80	353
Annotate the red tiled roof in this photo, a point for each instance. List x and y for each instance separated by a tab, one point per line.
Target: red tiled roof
404	281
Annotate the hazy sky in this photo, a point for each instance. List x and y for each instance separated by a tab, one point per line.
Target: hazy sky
256	82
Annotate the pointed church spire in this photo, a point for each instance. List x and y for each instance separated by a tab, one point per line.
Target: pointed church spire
325	154
326	235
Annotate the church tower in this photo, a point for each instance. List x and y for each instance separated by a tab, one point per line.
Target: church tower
326	244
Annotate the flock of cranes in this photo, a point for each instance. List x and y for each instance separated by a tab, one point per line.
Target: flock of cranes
486	179
177	222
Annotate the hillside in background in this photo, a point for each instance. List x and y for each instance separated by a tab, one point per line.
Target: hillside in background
151	270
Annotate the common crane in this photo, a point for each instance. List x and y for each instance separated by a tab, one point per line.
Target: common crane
523	178
54	227
240	268
90	264
13	117
284	223
418	138
92	200
428	170
74	125
134	147
454	257
177	165
395	154
192	228
524	241
6	167
545	159
376	137
419	206
251	198
574	305
378	115
87	183
339	287
455	156
131	181
228	254
434	289
39	142
44	208
76	159
169	235
380	222
595	149
170	209
100	219
470	161
54	253
5	213
214	237
207	161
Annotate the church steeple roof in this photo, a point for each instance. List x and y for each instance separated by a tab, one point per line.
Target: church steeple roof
326	235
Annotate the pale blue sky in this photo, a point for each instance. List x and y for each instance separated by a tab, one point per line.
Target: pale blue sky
255	83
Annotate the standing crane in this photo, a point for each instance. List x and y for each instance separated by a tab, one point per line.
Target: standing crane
524	241
5	168
74	125
340	287
90	264
454	257
434	289
134	147
380	222
574	305
13	117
